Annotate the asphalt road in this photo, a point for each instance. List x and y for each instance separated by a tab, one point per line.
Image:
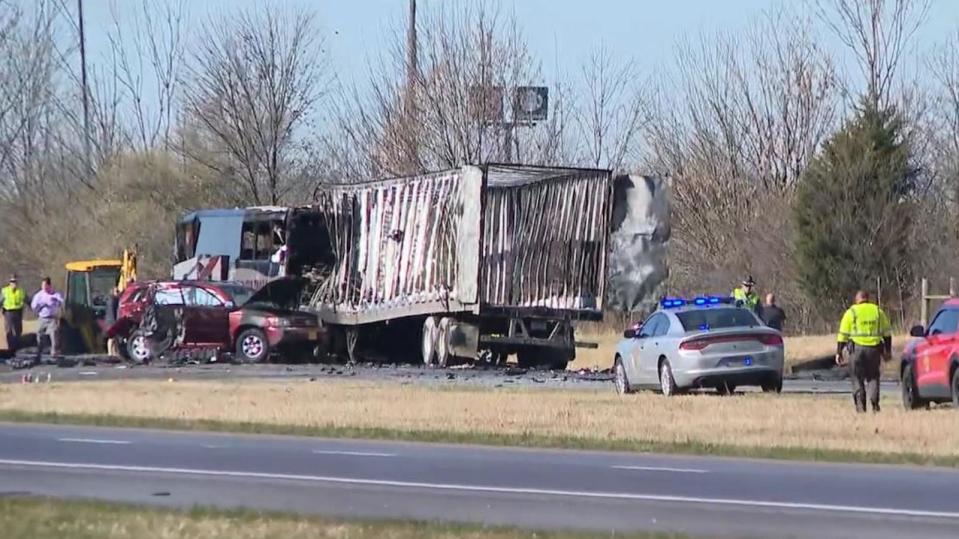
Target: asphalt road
495	486
813	383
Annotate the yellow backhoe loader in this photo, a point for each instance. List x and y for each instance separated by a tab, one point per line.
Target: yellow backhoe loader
88	293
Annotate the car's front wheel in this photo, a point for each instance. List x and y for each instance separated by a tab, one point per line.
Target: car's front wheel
667	383
252	346
910	391
621	380
138	348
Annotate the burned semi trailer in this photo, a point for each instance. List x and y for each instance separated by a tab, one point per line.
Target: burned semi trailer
475	262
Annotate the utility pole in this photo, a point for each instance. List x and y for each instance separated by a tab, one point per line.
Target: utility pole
409	97
411	59
83	76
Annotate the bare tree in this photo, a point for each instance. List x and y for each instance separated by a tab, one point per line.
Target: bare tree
614	112
878	32
148	50
734	126
457	108
253	81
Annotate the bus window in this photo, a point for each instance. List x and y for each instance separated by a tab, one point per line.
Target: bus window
257	242
264	240
186	234
248	243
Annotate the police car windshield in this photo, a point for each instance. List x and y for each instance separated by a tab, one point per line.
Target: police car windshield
713	318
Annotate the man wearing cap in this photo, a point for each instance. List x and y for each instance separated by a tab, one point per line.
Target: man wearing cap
12	301
745	296
864	341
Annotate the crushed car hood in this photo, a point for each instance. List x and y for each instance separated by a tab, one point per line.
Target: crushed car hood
283	292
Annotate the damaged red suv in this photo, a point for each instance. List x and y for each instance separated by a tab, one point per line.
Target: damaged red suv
202	319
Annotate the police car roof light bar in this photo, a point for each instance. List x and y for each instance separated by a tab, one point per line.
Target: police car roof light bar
701	301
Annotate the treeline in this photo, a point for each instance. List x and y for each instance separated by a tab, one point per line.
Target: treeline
782	165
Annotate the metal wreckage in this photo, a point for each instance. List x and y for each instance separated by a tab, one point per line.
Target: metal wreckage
476	263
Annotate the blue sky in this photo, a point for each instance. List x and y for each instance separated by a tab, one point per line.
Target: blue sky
561	33
563	29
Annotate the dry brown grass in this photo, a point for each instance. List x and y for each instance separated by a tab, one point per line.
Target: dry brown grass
757	421
46	519
798	349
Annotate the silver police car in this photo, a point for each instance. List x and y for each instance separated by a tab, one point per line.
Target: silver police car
705	342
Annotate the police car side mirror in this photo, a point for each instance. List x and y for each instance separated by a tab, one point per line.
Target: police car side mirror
917	331
630	334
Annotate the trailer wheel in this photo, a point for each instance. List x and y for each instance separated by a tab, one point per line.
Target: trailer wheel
429	341
443	342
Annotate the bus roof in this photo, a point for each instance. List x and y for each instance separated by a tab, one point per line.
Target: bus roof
234	212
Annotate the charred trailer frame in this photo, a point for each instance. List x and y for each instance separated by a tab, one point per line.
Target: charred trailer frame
476	262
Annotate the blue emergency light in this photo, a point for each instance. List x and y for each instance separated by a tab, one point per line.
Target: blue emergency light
671	303
702	301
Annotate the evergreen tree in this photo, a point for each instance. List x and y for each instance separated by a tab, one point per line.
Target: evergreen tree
853	210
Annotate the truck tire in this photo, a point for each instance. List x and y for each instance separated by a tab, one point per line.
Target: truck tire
443	342
428	347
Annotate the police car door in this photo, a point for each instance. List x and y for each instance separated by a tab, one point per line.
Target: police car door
650	349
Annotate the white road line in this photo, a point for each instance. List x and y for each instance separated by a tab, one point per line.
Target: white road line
659	469
92	441
352	453
886	511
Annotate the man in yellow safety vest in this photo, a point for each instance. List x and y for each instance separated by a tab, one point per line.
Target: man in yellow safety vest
865	338
745	296
12	301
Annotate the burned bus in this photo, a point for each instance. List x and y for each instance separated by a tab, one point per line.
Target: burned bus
251	246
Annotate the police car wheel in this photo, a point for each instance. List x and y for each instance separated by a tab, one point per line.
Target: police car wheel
774	386
667	383
621	380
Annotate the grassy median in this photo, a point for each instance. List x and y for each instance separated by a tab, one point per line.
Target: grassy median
27	518
758	425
